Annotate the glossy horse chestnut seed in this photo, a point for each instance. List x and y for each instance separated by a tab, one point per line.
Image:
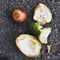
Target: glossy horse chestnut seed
19	15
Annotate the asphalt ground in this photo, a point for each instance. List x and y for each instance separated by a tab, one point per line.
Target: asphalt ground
9	30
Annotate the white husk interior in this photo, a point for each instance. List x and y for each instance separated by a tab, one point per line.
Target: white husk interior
44	34
27	47
42	14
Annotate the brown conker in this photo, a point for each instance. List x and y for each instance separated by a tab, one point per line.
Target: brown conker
19	15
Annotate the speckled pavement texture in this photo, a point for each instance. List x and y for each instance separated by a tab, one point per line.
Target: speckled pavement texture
9	30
